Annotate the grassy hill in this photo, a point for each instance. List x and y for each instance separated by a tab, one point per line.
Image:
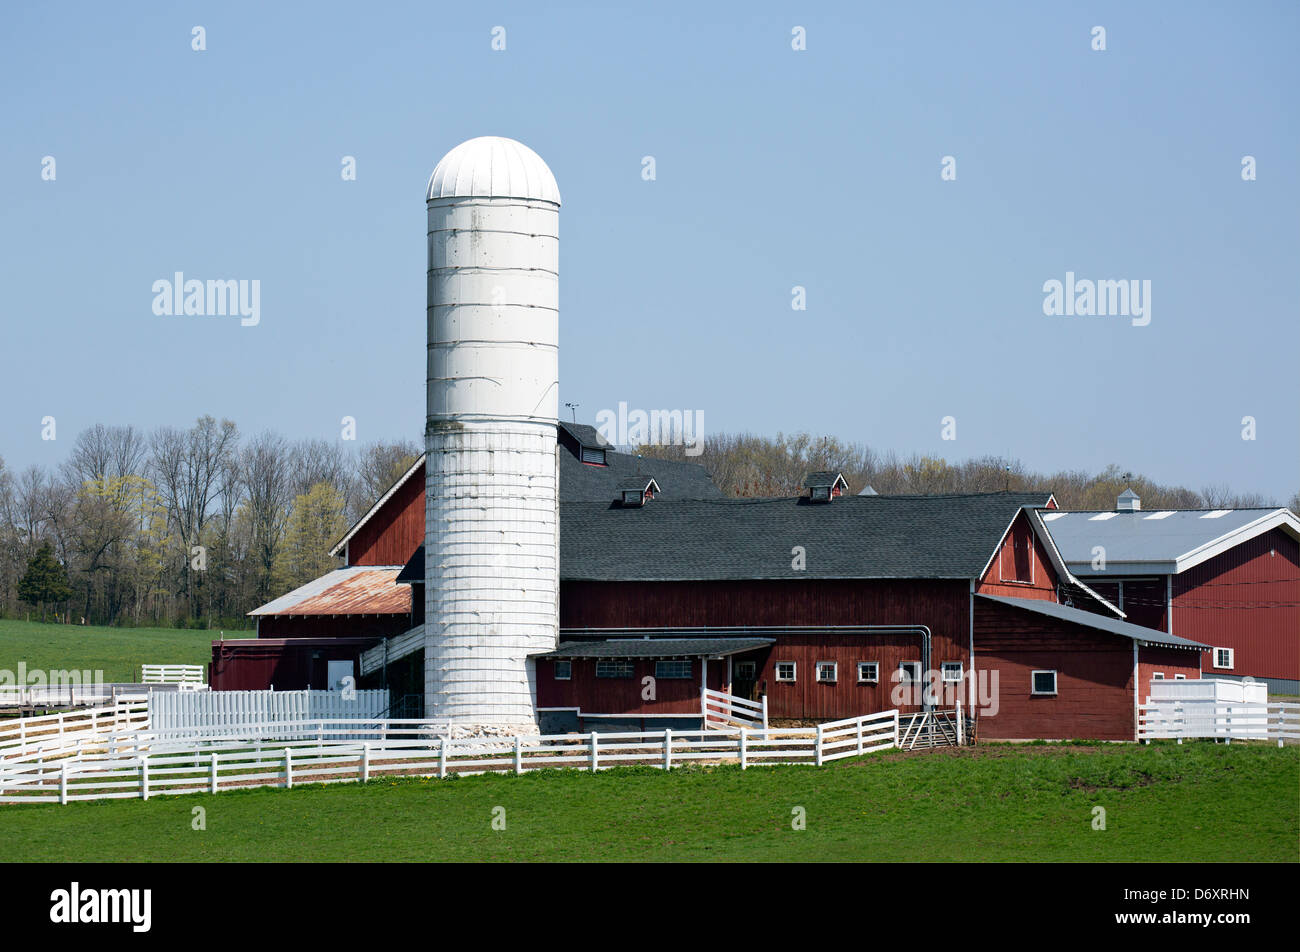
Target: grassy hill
1198	802
118	652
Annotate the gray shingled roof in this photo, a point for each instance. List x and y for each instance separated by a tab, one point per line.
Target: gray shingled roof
1100	622
579	481
949	536
656	647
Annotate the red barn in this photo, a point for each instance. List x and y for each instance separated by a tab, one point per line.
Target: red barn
1227	577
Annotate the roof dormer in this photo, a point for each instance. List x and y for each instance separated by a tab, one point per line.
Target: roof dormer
636	491
825	486
584	442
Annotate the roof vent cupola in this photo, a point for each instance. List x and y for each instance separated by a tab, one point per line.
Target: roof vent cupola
1128	501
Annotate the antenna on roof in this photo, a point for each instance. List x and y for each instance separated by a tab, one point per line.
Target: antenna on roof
574	408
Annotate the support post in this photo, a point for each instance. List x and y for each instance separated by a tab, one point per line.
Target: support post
595	760
961	726
63	783
765	710
519	755
214	771
668	748
442	756
859	736
288	769
744	748
819	746
144	777
365	762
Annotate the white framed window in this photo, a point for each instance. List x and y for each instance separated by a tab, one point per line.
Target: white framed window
563	670
1223	658
909	672
828	672
1043	682
1180	677
952	670
614	668
785	671
1157	675
868	672
669	670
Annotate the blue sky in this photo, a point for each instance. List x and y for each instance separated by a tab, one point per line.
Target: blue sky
775	168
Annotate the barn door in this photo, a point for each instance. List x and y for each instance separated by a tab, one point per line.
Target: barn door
744	679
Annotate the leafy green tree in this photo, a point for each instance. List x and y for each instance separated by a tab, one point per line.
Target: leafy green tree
45	581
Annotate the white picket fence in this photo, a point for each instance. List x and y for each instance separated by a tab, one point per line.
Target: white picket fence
1192	718
228	713
141	764
172	673
721	708
62	734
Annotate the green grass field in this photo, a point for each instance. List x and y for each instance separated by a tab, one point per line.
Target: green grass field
118	652
1196	803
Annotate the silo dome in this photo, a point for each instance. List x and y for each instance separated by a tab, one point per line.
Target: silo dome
493	167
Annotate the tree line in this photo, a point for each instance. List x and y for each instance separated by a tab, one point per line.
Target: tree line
180	527
743	464
195	527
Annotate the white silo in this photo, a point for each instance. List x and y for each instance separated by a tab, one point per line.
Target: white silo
491	521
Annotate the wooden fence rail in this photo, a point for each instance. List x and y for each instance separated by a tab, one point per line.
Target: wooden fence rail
142	765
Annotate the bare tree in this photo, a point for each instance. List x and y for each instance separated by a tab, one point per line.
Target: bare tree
379	466
266	474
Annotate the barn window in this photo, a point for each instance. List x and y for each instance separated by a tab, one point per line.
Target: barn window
952	670
594	456
785	671
620	668
868	672
827	672
563	670
746	670
909	672
1223	658
672	669
1180	677
1044	682
1157	676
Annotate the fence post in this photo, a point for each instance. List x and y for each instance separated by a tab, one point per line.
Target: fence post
63	783
895	720
744	748
60	725
595	762
365	762
214	771
288	768
668	748
144	776
961	725
442	756
819	746
765	710
519	755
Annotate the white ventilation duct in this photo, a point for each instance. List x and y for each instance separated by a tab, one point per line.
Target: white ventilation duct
491	521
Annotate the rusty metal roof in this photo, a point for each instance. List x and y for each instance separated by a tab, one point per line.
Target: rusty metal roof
355	590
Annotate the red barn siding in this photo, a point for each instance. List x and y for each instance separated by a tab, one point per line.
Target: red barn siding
257	664
1021	555
942	605
1247	599
808	699
1094	677
395	531
623	695
1168	661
